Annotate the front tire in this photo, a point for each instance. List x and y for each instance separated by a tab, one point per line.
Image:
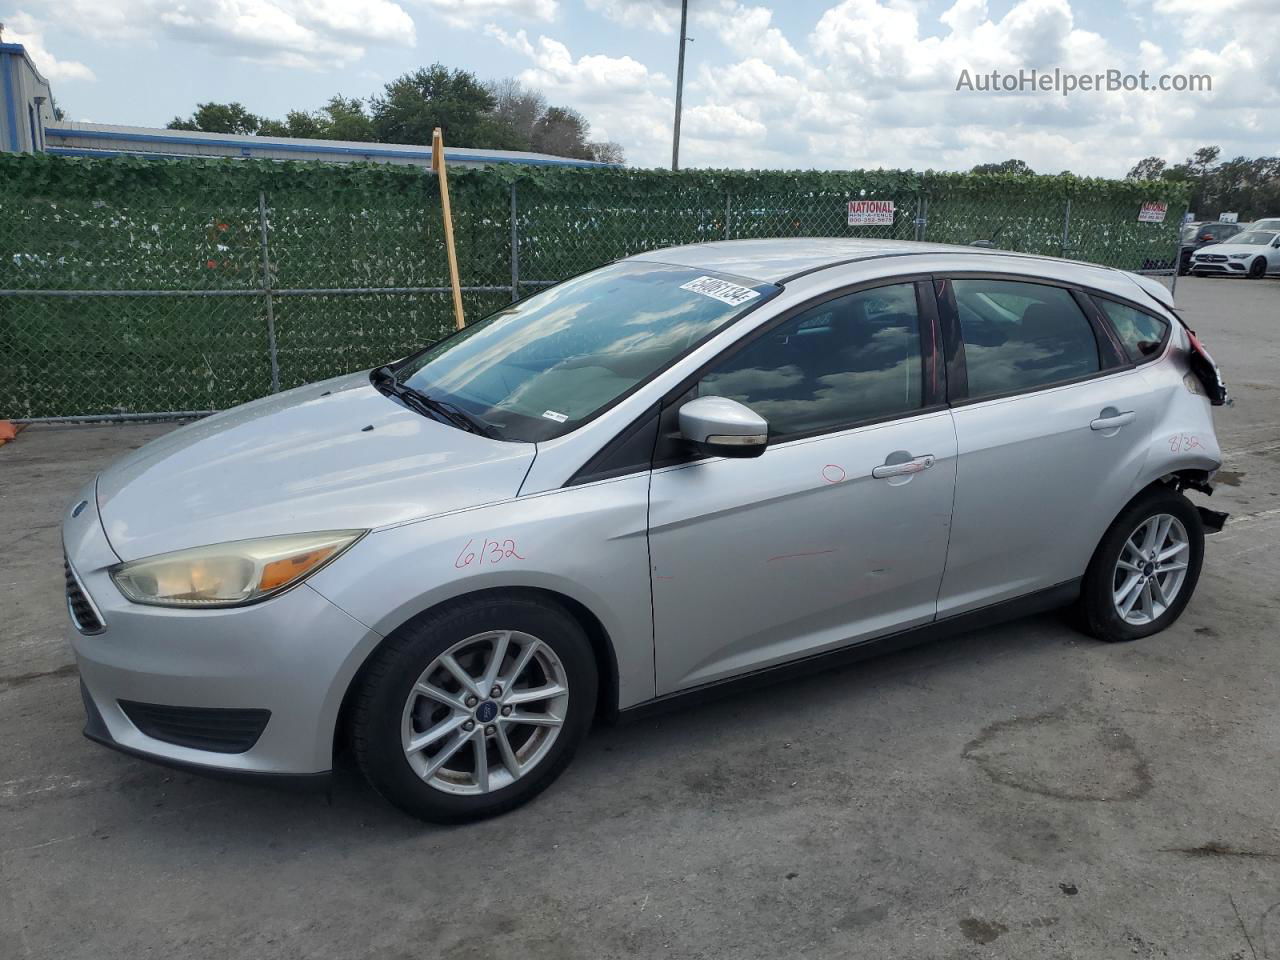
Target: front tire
475	708
1258	269
1145	569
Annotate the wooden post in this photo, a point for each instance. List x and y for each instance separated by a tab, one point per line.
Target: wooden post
437	164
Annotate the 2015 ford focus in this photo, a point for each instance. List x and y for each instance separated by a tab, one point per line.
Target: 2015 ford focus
688	467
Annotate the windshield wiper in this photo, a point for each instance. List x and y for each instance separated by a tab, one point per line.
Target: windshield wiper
385	379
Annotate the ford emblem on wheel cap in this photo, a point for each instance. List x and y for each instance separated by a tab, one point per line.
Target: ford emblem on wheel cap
486	711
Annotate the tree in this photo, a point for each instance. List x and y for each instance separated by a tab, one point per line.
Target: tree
218	118
345	119
1203	159
498	115
1008	166
1249	187
413	105
1149	168
516	110
562	132
607	152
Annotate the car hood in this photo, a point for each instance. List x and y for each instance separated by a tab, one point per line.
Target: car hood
1230	248
330	456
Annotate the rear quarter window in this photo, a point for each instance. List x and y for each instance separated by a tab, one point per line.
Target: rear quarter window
1143	334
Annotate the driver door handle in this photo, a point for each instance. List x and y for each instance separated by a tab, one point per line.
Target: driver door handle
905	468
1112	421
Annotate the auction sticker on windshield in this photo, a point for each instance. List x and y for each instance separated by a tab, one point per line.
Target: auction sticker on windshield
722	290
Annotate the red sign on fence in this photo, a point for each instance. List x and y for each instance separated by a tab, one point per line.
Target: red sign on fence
870	213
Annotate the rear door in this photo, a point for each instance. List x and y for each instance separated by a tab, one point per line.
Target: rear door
1051	420
838	531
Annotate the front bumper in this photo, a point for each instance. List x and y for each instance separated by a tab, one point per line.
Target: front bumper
292	656
1233	268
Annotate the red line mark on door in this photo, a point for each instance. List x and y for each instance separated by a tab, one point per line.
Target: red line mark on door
833	473
794	556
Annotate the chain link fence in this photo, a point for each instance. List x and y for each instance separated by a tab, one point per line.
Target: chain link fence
139	289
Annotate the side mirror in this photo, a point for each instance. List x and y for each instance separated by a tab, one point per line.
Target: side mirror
720	427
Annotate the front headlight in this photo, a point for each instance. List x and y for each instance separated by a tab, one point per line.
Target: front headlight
229	574
1239	256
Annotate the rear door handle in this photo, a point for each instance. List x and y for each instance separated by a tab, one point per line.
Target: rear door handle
1112	421
905	468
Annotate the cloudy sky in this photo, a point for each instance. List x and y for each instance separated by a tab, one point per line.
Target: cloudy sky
769	83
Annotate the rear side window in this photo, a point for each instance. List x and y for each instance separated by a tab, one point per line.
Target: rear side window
1142	334
1020	336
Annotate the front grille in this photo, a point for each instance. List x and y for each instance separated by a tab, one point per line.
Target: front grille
1213	258
216	729
83	615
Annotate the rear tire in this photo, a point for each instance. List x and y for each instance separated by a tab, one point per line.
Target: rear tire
1135	585
434	682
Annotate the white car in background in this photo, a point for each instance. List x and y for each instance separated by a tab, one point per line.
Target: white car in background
1253	254
1271	223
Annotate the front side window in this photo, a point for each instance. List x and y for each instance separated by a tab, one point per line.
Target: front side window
852	359
1142	334
539	368
1020	336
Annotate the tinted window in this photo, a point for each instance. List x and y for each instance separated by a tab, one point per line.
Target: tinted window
1142	334
851	359
540	367
1018	336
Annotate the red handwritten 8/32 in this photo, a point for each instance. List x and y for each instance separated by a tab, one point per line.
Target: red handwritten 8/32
490	552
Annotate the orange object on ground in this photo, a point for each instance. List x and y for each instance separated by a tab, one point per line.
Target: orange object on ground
7	432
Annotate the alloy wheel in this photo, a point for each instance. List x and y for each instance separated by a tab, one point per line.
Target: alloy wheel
485	712
1151	569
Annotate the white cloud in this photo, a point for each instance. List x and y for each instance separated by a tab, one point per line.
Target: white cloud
311	34
26	30
620	97
660	15
465	13
745	31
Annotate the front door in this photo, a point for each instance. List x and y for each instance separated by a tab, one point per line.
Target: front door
838	532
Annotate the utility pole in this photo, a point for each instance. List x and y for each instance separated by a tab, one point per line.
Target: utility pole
675	139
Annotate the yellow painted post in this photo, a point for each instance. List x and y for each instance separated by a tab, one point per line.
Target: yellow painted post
437	164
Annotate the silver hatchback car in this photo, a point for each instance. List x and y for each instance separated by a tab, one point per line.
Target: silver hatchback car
694	466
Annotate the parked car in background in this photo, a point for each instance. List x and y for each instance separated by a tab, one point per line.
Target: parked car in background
693	466
1269	223
1197	235
1253	254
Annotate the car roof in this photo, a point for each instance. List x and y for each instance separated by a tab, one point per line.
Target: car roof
776	260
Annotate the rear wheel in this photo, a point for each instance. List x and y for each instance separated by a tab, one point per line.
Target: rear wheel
1258	269
1145	569
475	708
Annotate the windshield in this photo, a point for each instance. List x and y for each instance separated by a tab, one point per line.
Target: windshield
545	365
1212	231
1254	238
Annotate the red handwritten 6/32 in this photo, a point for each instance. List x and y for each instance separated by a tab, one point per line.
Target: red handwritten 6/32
489	552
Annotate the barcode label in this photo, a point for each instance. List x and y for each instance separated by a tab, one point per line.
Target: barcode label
722	290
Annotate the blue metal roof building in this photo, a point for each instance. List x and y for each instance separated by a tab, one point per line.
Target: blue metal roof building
27	124
26	103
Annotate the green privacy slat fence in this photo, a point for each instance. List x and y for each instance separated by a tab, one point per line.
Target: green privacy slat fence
132	286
